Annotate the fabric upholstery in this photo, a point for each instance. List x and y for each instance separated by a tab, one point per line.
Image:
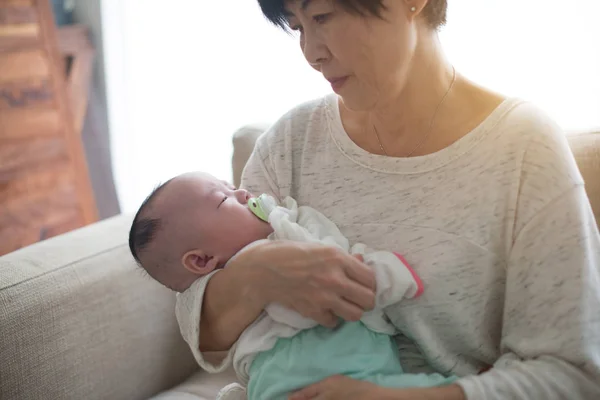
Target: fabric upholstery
243	144
586	148
79	320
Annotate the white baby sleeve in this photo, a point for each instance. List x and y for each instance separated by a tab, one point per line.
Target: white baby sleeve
188	311
233	391
396	280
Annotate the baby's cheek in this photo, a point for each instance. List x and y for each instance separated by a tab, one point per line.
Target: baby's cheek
257	229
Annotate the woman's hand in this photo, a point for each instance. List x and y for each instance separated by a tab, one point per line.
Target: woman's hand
340	388
319	282
343	388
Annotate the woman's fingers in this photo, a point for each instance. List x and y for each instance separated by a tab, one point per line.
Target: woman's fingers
325	318
358	295
314	311
356	270
319	282
310	392
346	310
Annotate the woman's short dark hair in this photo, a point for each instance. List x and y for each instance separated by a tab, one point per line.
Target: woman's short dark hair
435	10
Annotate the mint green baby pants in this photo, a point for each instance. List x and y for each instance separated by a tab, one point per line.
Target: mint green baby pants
314	354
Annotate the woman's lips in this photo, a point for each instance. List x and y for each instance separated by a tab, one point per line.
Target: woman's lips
337	83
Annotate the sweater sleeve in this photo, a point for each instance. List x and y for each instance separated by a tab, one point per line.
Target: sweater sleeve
551	324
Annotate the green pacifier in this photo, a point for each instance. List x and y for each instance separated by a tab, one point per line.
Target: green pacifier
255	205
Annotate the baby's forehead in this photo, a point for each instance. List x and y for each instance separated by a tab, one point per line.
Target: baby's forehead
201	179
192	187
204	185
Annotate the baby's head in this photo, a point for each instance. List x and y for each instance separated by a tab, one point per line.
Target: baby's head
190	226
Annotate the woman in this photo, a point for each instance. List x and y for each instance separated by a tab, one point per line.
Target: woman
479	192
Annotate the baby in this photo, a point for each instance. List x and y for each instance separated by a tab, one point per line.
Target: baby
192	225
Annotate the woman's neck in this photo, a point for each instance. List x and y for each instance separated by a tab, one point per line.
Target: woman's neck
403	119
409	112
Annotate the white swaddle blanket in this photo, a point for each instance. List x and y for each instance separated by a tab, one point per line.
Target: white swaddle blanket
394	278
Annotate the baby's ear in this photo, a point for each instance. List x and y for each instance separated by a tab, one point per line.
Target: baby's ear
198	262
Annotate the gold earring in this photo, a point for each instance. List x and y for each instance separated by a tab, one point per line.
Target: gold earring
413	9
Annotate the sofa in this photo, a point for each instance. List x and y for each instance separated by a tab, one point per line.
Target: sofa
79	320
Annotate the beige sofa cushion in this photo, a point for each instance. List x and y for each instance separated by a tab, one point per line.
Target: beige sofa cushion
78	320
586	148
243	144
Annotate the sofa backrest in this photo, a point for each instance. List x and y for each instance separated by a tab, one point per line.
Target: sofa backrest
79	320
585	147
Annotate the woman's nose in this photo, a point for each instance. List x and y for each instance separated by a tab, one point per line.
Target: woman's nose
315	51
242	195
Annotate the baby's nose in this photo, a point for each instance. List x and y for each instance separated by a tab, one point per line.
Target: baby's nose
242	196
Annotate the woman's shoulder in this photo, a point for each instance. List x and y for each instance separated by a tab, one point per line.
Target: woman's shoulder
528	124
525	142
544	142
295	124
546	164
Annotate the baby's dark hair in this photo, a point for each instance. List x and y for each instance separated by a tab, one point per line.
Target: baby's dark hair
144	228
435	11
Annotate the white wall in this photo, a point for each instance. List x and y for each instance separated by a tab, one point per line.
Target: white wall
546	51
183	75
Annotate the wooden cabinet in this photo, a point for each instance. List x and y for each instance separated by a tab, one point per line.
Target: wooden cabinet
45	188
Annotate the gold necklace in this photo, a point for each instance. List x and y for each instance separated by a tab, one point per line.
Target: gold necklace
430	123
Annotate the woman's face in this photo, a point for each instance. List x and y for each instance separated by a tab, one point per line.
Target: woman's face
365	58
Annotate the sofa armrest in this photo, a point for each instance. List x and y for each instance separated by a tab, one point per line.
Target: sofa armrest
79	320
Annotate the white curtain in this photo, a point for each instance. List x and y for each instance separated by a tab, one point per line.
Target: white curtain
183	75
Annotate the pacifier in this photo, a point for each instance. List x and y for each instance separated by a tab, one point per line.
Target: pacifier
255	204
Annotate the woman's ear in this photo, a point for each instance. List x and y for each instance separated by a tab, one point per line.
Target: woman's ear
199	263
415	7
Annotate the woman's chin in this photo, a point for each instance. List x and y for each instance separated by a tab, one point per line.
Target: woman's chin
357	101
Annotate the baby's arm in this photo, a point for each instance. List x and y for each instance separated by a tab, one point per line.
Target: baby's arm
261	335
188	311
